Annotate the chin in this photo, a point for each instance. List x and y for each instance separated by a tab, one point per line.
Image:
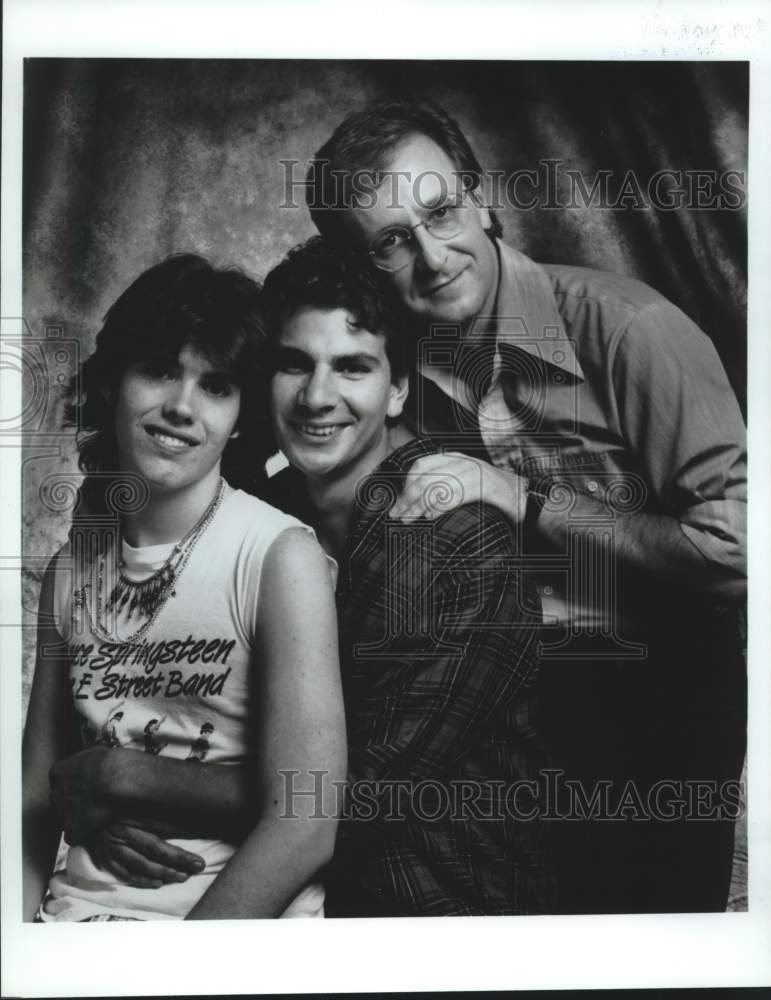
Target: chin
460	309
451	312
160	485
305	465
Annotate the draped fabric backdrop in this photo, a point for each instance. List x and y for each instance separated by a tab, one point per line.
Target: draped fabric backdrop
127	161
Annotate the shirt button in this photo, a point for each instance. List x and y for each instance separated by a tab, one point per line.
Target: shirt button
592	486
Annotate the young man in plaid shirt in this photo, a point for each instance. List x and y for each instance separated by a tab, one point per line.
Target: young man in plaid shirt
438	632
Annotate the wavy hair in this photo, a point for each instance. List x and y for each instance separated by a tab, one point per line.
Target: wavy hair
365	141
183	301
318	275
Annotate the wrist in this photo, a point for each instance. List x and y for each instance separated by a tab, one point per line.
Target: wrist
508	492
117	780
535	500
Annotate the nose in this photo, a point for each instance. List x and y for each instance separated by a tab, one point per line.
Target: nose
430	253
318	390
179	404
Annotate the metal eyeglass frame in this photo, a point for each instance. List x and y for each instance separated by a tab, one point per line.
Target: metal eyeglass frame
409	244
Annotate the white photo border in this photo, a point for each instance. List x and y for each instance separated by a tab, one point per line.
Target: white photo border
397	955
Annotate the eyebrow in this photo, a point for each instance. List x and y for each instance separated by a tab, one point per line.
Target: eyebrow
222	371
441	198
357	357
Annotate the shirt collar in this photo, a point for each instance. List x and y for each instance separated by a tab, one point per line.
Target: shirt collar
403	457
385	482
375	494
527	317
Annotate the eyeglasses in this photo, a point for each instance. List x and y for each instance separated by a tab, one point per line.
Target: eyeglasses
394	249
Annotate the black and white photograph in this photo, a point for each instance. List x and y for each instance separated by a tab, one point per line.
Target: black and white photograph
379	426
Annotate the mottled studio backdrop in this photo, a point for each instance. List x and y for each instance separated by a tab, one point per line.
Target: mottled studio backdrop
126	161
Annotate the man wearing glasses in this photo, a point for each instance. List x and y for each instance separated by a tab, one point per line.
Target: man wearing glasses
600	420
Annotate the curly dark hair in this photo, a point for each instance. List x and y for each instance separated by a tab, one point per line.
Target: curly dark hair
365	141
182	301
321	276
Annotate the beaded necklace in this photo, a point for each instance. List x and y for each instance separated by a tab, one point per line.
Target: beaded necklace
147	597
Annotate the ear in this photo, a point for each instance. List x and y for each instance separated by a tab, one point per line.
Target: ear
234	435
399	392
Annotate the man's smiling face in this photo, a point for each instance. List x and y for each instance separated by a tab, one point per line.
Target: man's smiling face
448	281
331	395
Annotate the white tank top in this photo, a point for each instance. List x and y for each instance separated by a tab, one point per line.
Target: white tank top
180	689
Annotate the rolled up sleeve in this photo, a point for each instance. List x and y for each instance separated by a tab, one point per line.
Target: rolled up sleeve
682	421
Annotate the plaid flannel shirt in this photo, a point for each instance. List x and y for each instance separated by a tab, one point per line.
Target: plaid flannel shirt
438	645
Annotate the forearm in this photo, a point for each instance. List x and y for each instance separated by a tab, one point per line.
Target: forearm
278	858
41	835
48	737
178	797
652	547
300	727
706	551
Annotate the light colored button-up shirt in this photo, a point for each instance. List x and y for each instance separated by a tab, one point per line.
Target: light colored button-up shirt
593	383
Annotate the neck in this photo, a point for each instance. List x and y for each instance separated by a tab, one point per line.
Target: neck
488	308
167	517
333	500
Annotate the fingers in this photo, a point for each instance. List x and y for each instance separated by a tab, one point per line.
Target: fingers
135	869
421	509
141	858
153	848
114	867
435	485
